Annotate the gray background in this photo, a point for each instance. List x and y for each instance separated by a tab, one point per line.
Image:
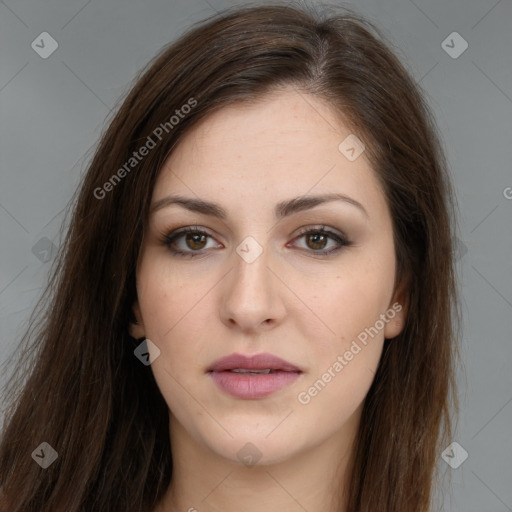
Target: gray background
53	111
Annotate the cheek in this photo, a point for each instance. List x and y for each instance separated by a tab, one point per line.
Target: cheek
174	319
168	298
174	307
334	396
345	342
345	303
343	363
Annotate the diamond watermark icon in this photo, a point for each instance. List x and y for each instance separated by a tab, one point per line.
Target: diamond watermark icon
147	352
249	454
454	45
351	147
249	250
44	455
44	250
454	455
44	45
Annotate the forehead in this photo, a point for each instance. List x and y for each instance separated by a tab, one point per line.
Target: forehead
286	144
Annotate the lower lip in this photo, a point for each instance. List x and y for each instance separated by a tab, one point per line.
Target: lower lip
246	386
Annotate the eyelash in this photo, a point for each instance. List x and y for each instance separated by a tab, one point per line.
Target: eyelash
170	238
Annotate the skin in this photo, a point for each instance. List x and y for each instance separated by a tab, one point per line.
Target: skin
291	302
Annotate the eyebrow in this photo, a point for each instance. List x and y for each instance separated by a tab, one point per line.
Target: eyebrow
282	209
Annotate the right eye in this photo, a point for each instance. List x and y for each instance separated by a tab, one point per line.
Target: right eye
188	242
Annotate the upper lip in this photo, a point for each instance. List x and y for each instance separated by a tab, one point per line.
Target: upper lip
255	362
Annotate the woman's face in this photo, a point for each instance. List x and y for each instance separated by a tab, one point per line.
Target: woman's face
272	266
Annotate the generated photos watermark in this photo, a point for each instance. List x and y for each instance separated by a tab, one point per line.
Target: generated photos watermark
304	397
143	151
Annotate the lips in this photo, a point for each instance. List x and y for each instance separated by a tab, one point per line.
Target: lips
252	377
256	362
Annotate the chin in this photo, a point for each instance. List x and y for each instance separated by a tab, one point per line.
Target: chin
255	449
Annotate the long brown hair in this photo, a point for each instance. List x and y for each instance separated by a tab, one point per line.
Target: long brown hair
78	386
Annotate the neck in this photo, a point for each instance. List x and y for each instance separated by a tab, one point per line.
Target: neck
312	480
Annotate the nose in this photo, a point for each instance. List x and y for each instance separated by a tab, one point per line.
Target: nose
252	296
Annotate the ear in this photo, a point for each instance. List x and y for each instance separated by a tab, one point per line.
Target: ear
136	328
397	310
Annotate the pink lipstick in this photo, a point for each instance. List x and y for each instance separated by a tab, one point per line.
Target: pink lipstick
252	377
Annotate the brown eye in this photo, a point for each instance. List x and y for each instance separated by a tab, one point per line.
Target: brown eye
316	240
195	241
190	242
321	241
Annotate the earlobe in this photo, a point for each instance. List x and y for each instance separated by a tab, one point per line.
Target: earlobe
136	328
397	321
397	311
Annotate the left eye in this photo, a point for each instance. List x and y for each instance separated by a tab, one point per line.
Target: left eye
315	240
318	240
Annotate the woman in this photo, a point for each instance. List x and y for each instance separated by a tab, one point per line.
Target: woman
253	306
